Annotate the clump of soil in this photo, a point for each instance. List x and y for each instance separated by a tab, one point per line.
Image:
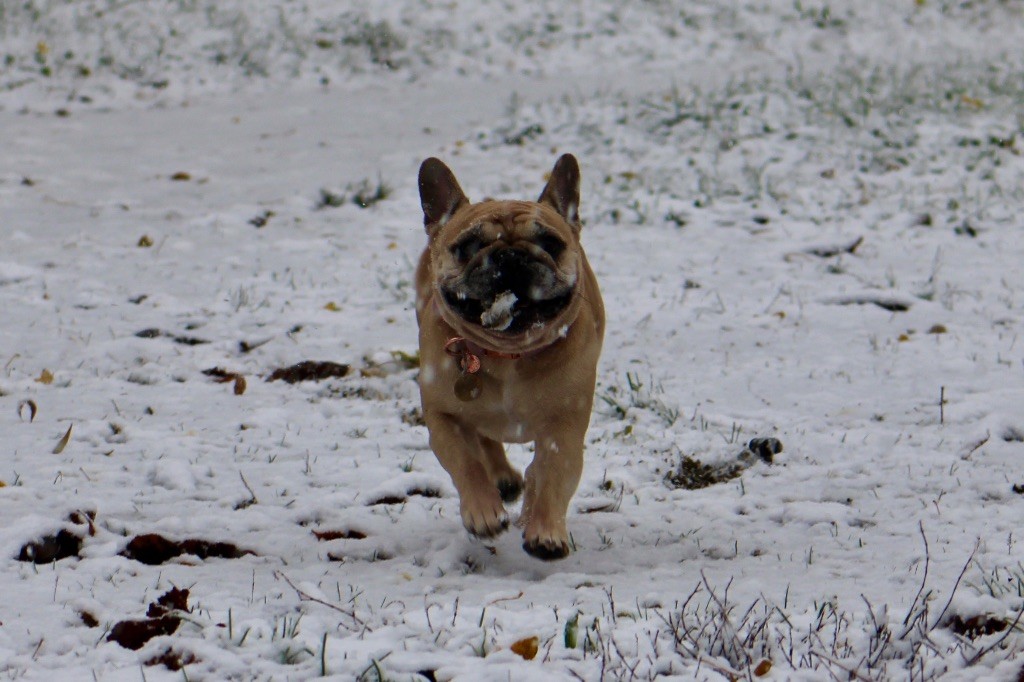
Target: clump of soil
154	549
326	535
432	493
173	660
161	619
1013	435
977	626
764	449
154	333
309	370
692	474
50	548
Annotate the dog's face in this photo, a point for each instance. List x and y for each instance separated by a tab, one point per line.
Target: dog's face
505	273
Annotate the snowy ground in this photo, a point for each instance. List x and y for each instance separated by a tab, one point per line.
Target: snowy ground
806	224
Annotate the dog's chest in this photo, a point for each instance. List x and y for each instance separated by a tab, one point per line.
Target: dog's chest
503	411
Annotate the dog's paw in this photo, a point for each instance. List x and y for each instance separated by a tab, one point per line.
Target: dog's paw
546	549
510	487
485	518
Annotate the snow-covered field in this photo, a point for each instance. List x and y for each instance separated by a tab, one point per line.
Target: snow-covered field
806	218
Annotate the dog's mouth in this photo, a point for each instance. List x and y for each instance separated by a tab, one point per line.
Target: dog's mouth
505	313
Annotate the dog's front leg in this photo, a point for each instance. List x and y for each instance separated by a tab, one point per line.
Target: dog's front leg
458	448
551	481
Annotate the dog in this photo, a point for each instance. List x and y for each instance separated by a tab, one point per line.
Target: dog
511	324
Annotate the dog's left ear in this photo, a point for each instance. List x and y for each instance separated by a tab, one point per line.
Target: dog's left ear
562	192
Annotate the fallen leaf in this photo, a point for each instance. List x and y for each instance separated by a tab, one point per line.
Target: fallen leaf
32	409
239	384
972	101
332	306
181	176
763	668
45	377
63	443
145	241
526	648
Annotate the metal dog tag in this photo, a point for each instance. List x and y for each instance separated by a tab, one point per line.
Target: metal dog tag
467	387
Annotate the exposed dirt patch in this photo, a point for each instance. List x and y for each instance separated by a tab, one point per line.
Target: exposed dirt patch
375	555
154	549
432	493
173	660
84	518
154	333
50	548
326	535
977	626
836	250
309	370
161	619
1013	435
764	449
692	474
890	303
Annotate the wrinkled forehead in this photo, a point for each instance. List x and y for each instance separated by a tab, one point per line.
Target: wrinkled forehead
514	218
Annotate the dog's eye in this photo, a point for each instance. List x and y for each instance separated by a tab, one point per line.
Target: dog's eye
466	249
551	244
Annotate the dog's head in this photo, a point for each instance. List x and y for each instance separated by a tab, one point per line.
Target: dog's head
505	273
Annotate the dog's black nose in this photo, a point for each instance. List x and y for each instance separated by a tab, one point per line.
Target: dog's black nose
512	271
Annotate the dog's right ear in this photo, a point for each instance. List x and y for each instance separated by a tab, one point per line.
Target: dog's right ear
440	194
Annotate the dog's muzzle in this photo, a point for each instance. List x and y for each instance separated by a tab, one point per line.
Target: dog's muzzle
509	291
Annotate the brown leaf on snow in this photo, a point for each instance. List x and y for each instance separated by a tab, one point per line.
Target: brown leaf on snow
63	442
45	377
222	376
527	648
32	409
219	374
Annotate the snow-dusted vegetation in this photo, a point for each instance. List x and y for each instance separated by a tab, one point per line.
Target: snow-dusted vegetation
806	218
